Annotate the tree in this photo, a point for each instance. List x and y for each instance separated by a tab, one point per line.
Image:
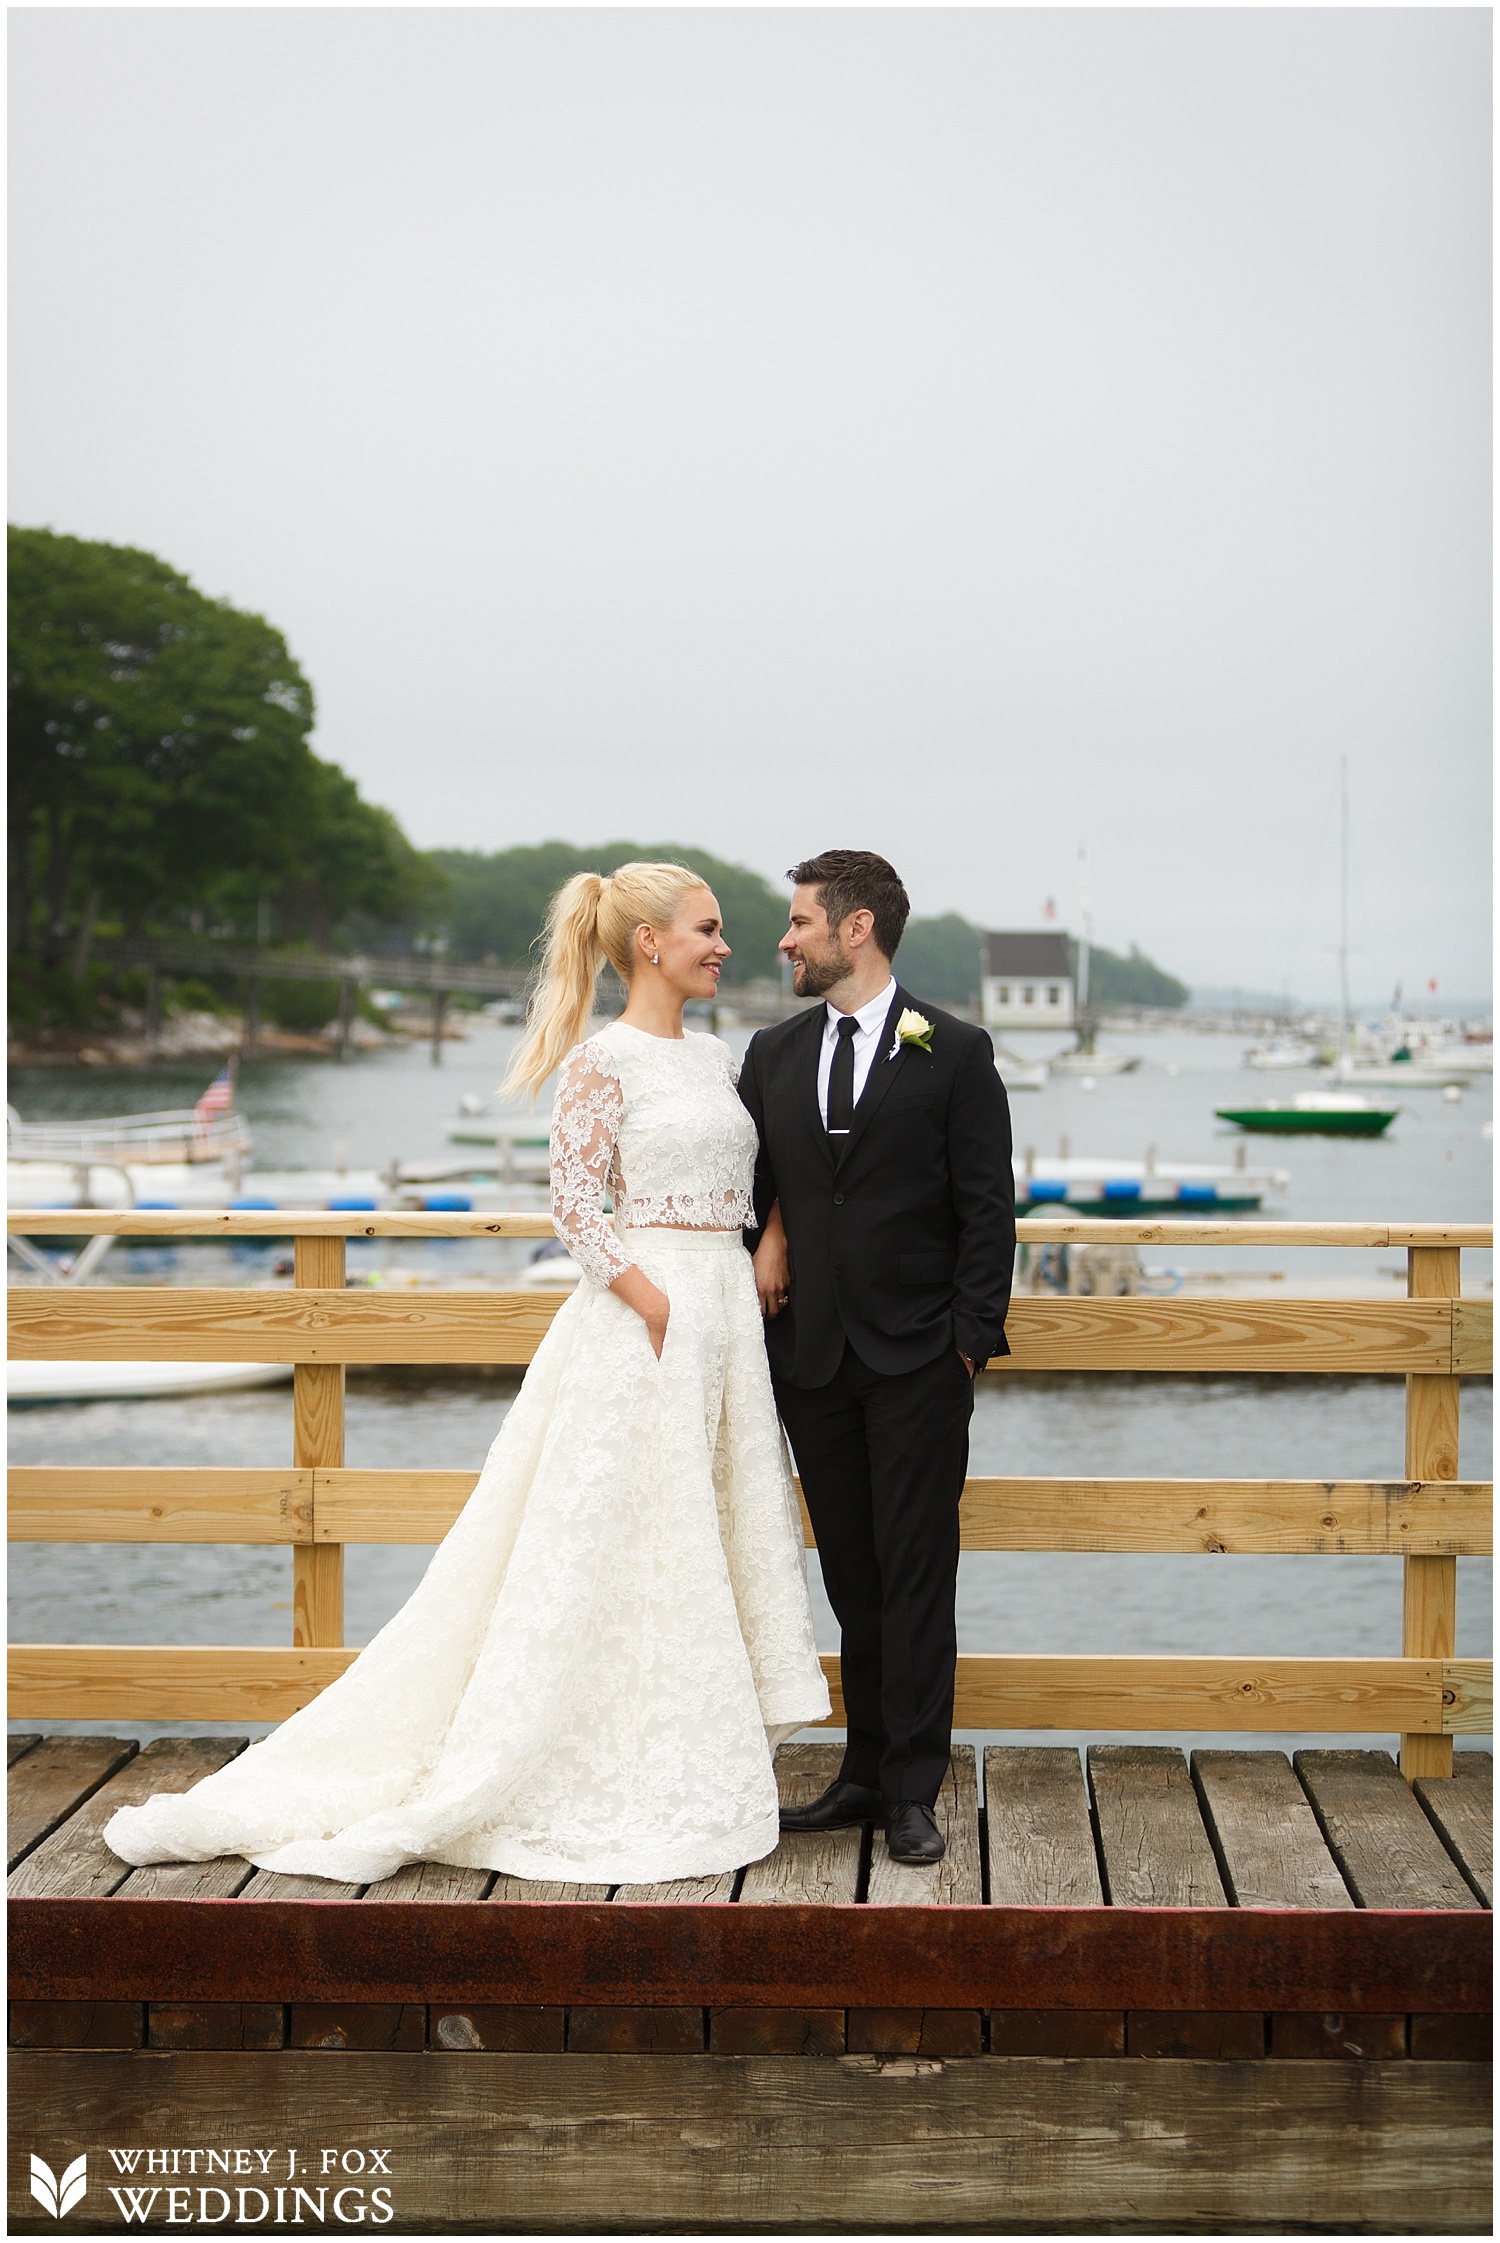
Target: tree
161	766
1133	980
939	958
159	740
497	903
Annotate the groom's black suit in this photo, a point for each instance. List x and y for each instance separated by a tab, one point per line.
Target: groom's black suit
902	1244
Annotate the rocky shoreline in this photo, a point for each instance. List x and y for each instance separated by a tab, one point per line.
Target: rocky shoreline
185	1035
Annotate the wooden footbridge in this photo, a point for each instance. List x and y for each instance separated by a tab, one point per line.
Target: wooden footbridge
1143	1993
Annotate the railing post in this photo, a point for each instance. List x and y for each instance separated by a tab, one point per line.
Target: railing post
1429	1599
318	1439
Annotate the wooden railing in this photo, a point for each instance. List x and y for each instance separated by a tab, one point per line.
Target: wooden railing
1429	1519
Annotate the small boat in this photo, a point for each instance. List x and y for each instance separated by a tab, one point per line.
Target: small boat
1281	1051
1425	1068
1095	1063
208	1143
102	1382
1020	1074
1313	1113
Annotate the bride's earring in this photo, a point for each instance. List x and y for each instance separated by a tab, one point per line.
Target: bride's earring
655	958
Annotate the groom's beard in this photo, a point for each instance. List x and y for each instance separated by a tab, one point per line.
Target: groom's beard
819	975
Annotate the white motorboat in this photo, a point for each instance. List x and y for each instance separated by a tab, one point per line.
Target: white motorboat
99	1382
1281	1052
1418	1068
1020	1074
1095	1063
195	1154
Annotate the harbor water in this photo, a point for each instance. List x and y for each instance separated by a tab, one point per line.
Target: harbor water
1433	1165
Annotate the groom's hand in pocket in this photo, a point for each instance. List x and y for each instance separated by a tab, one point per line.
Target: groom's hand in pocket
772	1266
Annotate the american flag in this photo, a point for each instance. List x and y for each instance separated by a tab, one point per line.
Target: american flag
218	1098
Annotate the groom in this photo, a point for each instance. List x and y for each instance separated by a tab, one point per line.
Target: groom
886	1205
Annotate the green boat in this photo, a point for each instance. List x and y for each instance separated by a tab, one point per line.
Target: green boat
1315	1113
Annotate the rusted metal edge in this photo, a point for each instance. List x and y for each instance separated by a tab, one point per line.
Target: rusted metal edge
796	1956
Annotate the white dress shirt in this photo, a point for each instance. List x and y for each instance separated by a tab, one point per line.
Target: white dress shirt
871	1018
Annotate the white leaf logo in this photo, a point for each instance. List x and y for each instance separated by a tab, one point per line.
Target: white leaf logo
59	2196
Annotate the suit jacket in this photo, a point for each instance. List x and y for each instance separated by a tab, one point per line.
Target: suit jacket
902	1242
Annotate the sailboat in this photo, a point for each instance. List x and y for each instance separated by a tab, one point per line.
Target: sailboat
1324	1113
1083	1059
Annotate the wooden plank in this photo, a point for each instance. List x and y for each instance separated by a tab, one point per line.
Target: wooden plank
206	2025
957	1881
60	1503
1189	1334
537	1889
388	1506
318	1440
1474	1337
148	1503
1429	1585
1040	1832
16	1747
1468	1697
74	1863
54	1778
1021	1691
715	2145
430	1881
1330	1518
303	1222
1152	1844
1390	1855
1460	1808
221	1879
167	1682
683	1892
243	1325
807	1865
219	1324
1270	1849
1045	1230
274	1884
808	1955
211	1682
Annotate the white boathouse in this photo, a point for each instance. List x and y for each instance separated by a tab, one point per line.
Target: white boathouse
1028	981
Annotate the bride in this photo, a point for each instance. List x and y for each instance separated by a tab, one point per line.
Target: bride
590	1680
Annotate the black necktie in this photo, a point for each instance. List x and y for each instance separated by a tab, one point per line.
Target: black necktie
841	1081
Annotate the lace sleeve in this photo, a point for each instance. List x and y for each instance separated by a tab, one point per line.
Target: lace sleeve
585	1124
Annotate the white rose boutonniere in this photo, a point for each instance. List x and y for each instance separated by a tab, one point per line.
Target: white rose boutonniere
912	1029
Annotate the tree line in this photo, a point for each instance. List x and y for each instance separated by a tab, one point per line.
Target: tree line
162	779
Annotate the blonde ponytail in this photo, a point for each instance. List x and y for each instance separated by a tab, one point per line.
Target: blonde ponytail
588	920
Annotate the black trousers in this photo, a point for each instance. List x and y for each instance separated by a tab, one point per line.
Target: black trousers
882	1462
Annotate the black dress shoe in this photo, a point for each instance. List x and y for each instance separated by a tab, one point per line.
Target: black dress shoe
842	1807
912	1835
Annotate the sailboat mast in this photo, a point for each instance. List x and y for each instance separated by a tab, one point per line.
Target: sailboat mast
1346	1032
1083	946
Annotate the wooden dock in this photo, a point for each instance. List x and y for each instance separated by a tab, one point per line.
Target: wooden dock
1147	1991
1183	1987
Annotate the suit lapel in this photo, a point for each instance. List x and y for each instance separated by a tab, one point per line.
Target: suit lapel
805	1076
884	1069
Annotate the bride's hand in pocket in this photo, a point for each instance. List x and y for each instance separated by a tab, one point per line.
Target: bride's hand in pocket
650	1303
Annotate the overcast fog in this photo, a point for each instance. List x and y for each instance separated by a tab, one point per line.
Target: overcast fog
967	434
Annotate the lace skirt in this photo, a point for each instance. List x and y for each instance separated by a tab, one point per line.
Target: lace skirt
589	1681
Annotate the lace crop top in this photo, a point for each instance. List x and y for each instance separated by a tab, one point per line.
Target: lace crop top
659	1126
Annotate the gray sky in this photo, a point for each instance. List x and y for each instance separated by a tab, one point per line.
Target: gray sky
967	434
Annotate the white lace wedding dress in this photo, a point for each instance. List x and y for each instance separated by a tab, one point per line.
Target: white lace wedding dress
589	1681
